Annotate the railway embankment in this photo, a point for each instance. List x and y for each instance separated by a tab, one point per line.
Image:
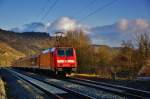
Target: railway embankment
2	89
17	88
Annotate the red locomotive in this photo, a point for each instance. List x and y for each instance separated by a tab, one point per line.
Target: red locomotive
58	59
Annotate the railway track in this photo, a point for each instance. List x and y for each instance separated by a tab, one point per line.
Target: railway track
60	83
131	93
53	91
125	91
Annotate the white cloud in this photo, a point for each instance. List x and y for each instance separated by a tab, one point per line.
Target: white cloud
122	30
123	24
133	26
141	23
61	25
109	34
35	27
66	24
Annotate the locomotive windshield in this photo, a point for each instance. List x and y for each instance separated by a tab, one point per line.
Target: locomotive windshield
69	52
61	52
65	52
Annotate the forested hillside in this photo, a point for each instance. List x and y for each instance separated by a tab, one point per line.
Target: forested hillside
16	45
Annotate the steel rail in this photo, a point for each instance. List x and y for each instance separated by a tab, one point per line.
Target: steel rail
71	93
127	91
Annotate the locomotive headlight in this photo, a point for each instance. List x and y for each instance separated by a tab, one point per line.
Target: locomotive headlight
60	61
70	61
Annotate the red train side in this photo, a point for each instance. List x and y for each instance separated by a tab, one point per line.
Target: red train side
59	60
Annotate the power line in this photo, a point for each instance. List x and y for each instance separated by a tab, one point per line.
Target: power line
50	9
97	10
85	7
44	7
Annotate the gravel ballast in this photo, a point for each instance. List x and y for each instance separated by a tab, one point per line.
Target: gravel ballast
142	84
92	92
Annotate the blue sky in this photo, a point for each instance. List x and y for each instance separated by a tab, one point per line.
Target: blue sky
18	12
109	25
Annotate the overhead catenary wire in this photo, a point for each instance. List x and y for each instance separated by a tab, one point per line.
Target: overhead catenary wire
97	10
86	6
92	13
44	7
89	4
50	9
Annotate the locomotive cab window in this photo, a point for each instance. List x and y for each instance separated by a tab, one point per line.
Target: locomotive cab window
61	52
69	52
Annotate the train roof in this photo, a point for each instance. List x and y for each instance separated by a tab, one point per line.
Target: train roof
44	52
52	49
49	50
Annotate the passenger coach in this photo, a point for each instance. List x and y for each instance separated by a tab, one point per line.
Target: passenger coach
58	59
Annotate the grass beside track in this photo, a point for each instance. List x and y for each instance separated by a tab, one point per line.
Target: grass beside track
85	75
98	76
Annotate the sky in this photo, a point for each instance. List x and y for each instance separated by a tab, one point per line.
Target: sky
17	13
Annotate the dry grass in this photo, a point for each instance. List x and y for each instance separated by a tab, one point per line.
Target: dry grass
2	90
85	75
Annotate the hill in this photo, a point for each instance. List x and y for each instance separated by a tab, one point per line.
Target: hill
15	45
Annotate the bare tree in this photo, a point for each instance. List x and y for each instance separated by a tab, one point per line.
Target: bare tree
143	52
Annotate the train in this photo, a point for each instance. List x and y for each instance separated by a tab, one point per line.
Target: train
60	60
